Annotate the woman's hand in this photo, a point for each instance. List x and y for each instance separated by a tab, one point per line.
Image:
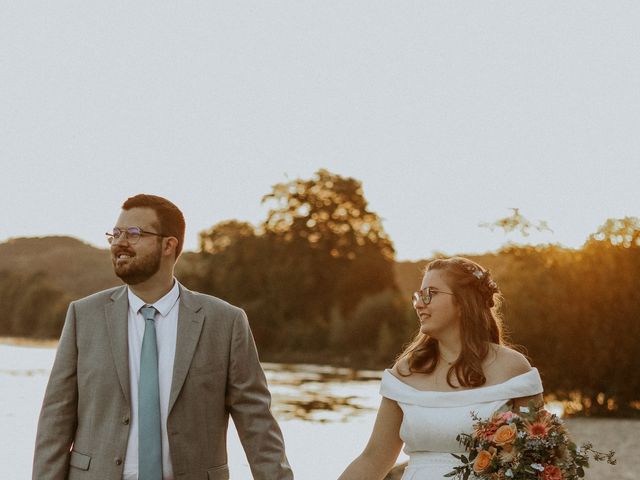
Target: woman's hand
381	452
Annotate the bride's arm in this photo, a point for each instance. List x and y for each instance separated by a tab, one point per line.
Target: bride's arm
538	401
384	445
513	363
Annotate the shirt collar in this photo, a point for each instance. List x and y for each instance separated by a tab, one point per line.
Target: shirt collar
164	305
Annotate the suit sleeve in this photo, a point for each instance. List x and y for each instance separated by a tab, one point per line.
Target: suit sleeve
58	416
249	402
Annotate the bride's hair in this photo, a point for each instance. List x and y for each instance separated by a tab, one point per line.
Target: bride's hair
479	299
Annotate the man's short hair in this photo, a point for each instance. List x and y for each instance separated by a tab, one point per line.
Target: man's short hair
172	222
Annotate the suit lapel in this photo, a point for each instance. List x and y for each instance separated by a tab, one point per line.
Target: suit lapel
190	321
117	325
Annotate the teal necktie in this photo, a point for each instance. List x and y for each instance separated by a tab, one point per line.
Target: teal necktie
149	430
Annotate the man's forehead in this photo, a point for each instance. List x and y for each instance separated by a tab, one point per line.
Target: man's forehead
137	216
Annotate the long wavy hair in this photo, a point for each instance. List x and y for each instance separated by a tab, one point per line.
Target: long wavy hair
479	299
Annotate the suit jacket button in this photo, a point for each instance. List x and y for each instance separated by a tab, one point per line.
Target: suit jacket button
125	420
118	461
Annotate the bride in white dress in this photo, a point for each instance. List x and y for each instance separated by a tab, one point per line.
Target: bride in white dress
457	364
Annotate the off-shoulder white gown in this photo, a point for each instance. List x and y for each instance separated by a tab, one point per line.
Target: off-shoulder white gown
432	420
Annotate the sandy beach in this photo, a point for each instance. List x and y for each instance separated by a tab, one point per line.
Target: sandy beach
610	434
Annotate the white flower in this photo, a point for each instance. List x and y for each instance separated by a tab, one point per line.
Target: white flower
478	274
537	466
524	409
508	473
507	457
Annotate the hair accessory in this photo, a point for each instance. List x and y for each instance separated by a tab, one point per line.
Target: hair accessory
478	274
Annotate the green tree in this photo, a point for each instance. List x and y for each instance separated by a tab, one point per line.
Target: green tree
517	222
318	253
577	312
329	212
32	305
624	232
225	234
378	327
327	220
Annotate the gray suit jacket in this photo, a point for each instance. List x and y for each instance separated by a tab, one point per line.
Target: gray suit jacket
84	422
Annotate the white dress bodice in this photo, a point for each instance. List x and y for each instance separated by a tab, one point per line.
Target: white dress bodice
432	420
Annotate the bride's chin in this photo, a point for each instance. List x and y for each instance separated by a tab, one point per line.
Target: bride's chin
425	329
428	329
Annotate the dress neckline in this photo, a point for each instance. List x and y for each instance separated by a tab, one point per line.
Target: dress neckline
533	371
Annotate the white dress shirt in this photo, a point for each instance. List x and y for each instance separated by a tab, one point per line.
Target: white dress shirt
166	322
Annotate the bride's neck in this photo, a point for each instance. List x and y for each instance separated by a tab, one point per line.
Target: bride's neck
449	349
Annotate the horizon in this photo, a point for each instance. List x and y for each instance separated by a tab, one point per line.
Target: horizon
396	259
493	241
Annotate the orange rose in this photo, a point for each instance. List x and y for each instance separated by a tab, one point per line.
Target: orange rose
505	435
482	461
551	472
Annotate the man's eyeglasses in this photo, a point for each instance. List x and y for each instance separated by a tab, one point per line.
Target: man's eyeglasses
426	295
132	234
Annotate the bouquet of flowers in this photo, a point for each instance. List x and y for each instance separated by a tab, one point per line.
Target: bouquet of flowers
530	445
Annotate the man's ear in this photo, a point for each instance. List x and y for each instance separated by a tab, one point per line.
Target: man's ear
171	246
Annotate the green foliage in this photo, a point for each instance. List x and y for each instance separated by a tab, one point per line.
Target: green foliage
379	324
578	314
316	256
517	222
225	234
32	306
74	267
328	212
623	232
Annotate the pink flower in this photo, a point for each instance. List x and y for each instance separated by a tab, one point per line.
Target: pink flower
508	415
551	472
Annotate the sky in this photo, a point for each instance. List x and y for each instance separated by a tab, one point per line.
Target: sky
449	113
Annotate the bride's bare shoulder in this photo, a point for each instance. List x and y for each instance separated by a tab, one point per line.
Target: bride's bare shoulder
505	363
401	368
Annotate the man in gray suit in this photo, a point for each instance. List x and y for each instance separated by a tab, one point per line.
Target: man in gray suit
146	374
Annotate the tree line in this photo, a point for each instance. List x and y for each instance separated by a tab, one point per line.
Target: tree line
318	281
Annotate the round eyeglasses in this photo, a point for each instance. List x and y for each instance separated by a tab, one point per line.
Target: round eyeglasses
132	234
425	295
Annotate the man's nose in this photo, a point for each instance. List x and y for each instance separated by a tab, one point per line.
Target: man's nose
122	238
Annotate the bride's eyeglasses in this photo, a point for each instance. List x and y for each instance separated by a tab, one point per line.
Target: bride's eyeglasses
426	295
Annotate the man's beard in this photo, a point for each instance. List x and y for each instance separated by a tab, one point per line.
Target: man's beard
138	268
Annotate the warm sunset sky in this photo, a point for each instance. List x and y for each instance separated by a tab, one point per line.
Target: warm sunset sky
448	112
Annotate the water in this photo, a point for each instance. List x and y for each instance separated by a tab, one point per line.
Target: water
326	414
